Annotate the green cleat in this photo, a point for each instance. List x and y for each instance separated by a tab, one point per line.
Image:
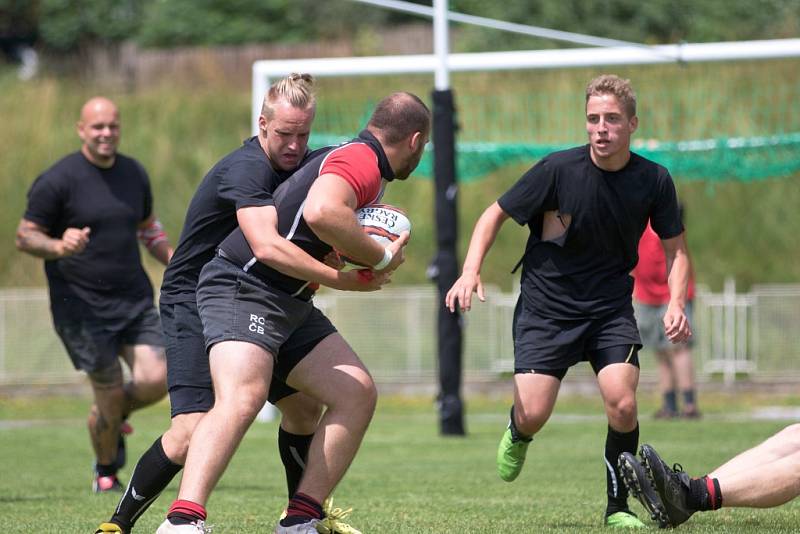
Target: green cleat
624	520
511	455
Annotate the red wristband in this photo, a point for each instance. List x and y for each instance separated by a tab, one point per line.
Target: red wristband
365	276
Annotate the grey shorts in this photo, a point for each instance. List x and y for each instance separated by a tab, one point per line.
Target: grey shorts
94	344
651	326
237	306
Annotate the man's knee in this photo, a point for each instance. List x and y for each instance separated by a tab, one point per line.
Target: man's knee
622	411
149	391
371	394
244	402
175	440
300	413
363	391
108	378
530	419
356	394
149	366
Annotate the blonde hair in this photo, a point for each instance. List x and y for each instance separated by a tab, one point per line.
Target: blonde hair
296	89
611	84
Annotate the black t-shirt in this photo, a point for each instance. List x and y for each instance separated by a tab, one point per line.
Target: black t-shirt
242	178
585	272
106	279
289	201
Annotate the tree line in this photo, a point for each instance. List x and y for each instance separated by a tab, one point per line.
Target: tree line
68	26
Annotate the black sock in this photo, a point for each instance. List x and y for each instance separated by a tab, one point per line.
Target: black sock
122	453
516	435
184	512
616	444
301	508
152	474
294	452
704	494
105	470
671	401
688	397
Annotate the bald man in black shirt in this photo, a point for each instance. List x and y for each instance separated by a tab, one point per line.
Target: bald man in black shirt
83	218
586	208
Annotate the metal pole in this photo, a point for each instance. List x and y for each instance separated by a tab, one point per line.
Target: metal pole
441	46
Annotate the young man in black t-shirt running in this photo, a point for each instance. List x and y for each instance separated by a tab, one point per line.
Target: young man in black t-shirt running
586	208
83	217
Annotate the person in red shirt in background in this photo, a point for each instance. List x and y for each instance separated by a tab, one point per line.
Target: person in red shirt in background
651	295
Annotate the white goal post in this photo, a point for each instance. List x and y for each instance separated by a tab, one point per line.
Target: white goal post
266	70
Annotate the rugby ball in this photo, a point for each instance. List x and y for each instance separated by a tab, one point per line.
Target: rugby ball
383	223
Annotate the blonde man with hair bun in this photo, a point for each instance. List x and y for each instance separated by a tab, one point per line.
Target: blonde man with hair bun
295	89
237	191
315	209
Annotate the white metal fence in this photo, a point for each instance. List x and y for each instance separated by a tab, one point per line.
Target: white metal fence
739	336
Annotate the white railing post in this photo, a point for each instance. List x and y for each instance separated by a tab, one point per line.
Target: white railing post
729	331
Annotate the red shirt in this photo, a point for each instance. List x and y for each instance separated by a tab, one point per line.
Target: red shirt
650	274
358	165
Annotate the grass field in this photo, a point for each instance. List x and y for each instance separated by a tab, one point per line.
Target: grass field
406	478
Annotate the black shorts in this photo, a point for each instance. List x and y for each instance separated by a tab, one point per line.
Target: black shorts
598	359
94	344
543	343
237	306
188	373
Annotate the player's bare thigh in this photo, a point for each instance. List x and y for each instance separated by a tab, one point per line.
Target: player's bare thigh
330	371
241	372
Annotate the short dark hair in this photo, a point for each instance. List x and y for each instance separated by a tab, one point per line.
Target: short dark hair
398	116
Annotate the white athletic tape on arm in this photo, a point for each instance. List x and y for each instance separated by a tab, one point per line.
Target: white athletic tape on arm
387	259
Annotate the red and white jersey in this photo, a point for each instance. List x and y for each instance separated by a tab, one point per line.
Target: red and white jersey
361	162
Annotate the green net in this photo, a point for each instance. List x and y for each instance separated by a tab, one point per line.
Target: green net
731	121
723	159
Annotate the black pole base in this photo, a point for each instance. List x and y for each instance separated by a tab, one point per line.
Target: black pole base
451	416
